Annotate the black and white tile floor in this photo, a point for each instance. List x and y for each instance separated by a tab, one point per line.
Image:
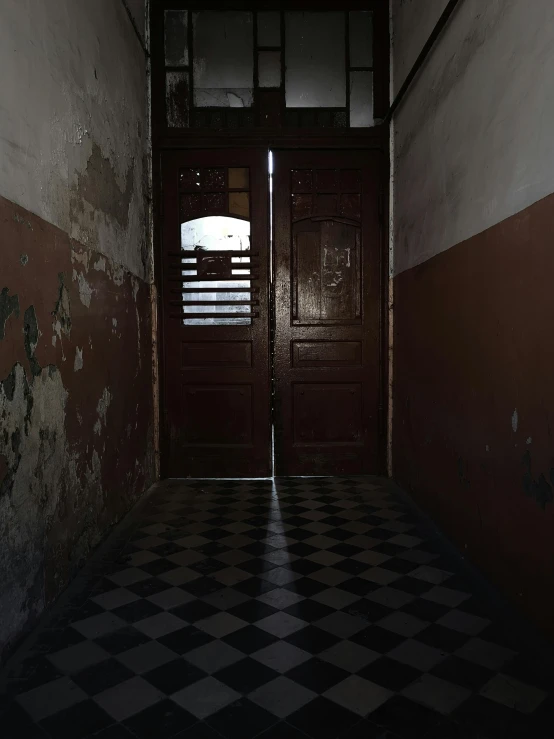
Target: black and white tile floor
295	608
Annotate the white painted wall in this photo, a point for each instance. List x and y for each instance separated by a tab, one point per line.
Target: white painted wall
138	12
72	85
474	139
413	22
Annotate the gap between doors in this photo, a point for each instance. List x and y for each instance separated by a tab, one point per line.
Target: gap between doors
300	295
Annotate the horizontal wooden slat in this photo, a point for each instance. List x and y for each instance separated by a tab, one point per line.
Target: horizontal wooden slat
214	302
234	278
215	290
213	354
188	253
194	266
215	315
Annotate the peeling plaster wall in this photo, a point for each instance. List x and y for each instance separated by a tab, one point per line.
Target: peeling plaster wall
73	121
76	416
473	301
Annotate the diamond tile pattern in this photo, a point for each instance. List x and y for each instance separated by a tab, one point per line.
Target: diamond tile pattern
309	608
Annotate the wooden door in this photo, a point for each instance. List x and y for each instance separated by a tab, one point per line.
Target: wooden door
215	326
327	313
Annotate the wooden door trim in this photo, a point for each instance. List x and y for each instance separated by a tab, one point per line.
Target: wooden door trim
373	138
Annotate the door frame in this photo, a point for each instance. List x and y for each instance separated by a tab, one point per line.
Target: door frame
375	139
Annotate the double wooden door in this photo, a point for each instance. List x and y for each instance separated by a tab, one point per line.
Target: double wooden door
271	327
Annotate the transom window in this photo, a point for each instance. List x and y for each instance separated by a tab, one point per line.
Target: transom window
243	69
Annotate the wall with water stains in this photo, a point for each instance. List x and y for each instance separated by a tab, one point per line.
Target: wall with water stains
76	420
473	302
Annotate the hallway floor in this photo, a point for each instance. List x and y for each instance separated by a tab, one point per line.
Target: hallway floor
295	608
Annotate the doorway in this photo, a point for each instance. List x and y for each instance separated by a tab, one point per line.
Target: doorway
271	301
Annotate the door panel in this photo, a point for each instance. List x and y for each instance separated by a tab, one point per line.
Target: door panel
325	272
216	384
326	353
327	313
327	413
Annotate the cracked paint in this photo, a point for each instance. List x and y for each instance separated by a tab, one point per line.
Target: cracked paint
81	257
78	160
61	314
19	219
100	264
85	290
99	188
104	404
78	363
67	460
33	443
77	168
8	304
117	274
31	334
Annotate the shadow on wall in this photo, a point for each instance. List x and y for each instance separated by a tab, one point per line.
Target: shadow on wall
75	409
484	470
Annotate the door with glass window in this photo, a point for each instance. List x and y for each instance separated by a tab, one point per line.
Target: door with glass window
270	336
215	338
271	371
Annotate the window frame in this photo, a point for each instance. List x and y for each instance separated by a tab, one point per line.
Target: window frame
269	112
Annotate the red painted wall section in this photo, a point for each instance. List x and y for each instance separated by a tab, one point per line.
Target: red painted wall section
473	435
75	408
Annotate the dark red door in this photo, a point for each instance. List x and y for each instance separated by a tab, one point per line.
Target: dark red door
215	332
327	312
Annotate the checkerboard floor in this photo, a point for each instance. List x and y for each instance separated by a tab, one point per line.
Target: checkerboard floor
310	608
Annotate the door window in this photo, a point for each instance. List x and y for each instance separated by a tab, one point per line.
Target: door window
217	250
215	262
242	69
